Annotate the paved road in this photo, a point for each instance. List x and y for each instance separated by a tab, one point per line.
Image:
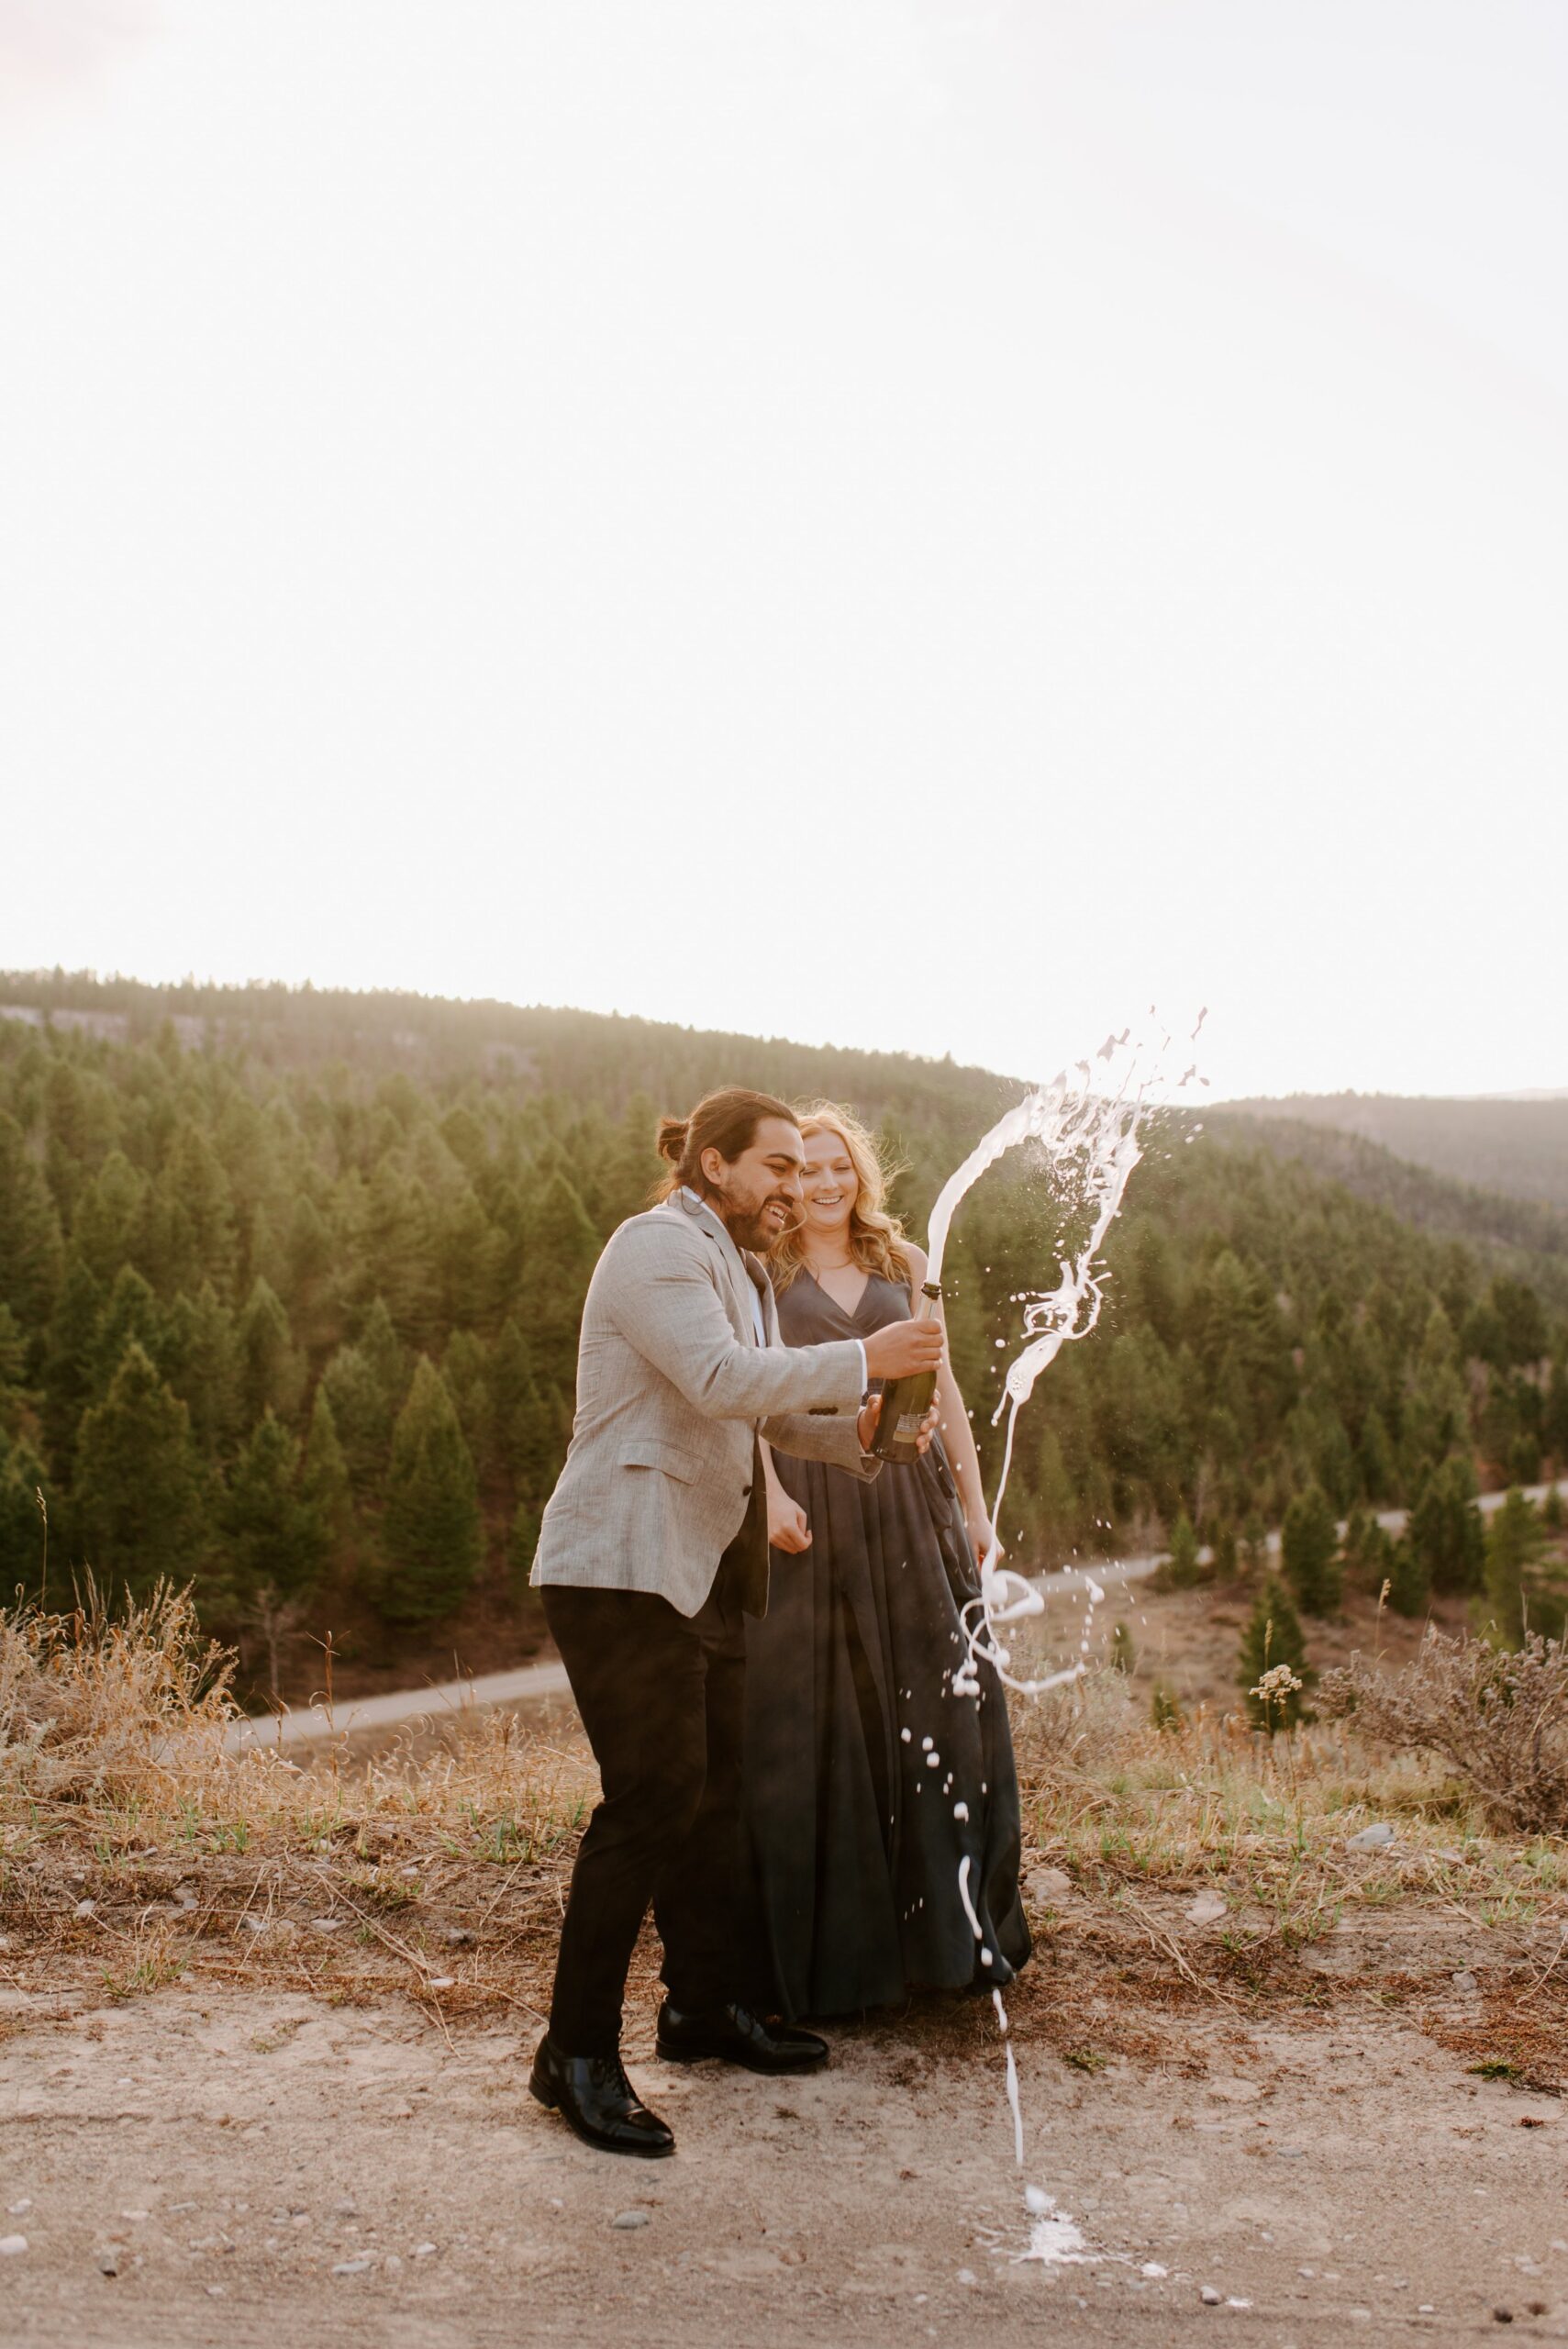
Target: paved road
309	1724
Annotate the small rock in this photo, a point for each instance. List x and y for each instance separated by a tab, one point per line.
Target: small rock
1048	1884
253	1924
136	2214
353	2267
327	1924
423	2250
217	2291
109	2261
1375	1838
443	1981
1238	2304
347	2208
966	2274
394	2265
1207	1909
1427	2308
1503	2316
1466	1983
86	1909
1153	2268
459	1936
1209	2297
5	1943
11	2244
20	2210
628	2219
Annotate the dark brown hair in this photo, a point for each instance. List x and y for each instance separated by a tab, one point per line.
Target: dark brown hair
726	1121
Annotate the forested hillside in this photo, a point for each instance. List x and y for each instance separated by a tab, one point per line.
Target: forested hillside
288	1304
1520	1147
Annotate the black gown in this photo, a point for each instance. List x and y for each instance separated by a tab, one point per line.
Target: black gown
866	1780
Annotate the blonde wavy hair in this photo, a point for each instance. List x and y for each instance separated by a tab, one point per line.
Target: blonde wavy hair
876	1237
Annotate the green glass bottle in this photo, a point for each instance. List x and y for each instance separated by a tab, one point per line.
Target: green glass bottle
905	1401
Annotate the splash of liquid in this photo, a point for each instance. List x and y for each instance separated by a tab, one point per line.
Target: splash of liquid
1092	1133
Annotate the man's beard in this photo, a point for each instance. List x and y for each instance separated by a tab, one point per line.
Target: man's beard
755	1230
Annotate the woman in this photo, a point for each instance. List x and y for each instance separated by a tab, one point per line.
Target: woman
867	1781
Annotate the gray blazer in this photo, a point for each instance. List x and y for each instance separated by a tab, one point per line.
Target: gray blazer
671	1391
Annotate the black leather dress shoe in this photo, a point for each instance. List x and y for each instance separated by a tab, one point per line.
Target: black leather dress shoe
735	2035
595	2097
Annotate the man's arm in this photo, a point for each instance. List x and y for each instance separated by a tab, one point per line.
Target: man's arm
811	1436
660	1296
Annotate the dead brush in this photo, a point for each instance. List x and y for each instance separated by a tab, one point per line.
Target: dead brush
93	1704
1498	1717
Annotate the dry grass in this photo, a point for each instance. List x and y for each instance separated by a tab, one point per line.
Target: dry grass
135	1851
133	1847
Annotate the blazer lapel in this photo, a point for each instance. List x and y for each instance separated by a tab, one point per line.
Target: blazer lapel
735	1274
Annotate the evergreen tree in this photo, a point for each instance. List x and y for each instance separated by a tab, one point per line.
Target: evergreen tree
363	1414
325	1480
562	1250
13	1369
430	1529
200	1233
269	1374
70	1359
202	1368
131	1316
21	1519
384	1350
1309	1547
137	1494
31	1254
1273	1644
1526	1590
1444	1529
275	1537
104	1229
1376	1460
1183	1569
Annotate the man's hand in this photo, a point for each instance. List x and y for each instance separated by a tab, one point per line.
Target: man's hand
787	1526
902	1348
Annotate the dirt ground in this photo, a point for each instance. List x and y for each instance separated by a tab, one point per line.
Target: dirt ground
255	2165
1354	2132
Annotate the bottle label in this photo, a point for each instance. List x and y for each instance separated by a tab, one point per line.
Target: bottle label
909	1426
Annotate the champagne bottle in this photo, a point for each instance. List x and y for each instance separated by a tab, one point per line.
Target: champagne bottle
905	1401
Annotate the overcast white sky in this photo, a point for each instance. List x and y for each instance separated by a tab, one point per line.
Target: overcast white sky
619	502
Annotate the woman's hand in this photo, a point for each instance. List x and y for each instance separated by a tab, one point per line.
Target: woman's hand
982	1537
787	1526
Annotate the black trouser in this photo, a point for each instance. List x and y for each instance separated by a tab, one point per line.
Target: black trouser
661	1697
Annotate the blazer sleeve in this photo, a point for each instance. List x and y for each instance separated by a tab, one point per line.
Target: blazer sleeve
659	1295
811	1436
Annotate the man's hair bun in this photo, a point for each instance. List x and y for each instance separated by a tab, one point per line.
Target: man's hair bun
672	1139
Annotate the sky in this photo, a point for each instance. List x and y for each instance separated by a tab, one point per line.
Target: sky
902	523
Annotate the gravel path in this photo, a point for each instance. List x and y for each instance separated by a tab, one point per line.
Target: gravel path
239	2167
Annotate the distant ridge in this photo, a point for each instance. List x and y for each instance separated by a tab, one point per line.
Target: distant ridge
1512	1142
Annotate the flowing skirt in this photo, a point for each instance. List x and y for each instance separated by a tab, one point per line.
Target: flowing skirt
867	1782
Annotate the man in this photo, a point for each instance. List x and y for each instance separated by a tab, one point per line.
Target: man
652	1548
